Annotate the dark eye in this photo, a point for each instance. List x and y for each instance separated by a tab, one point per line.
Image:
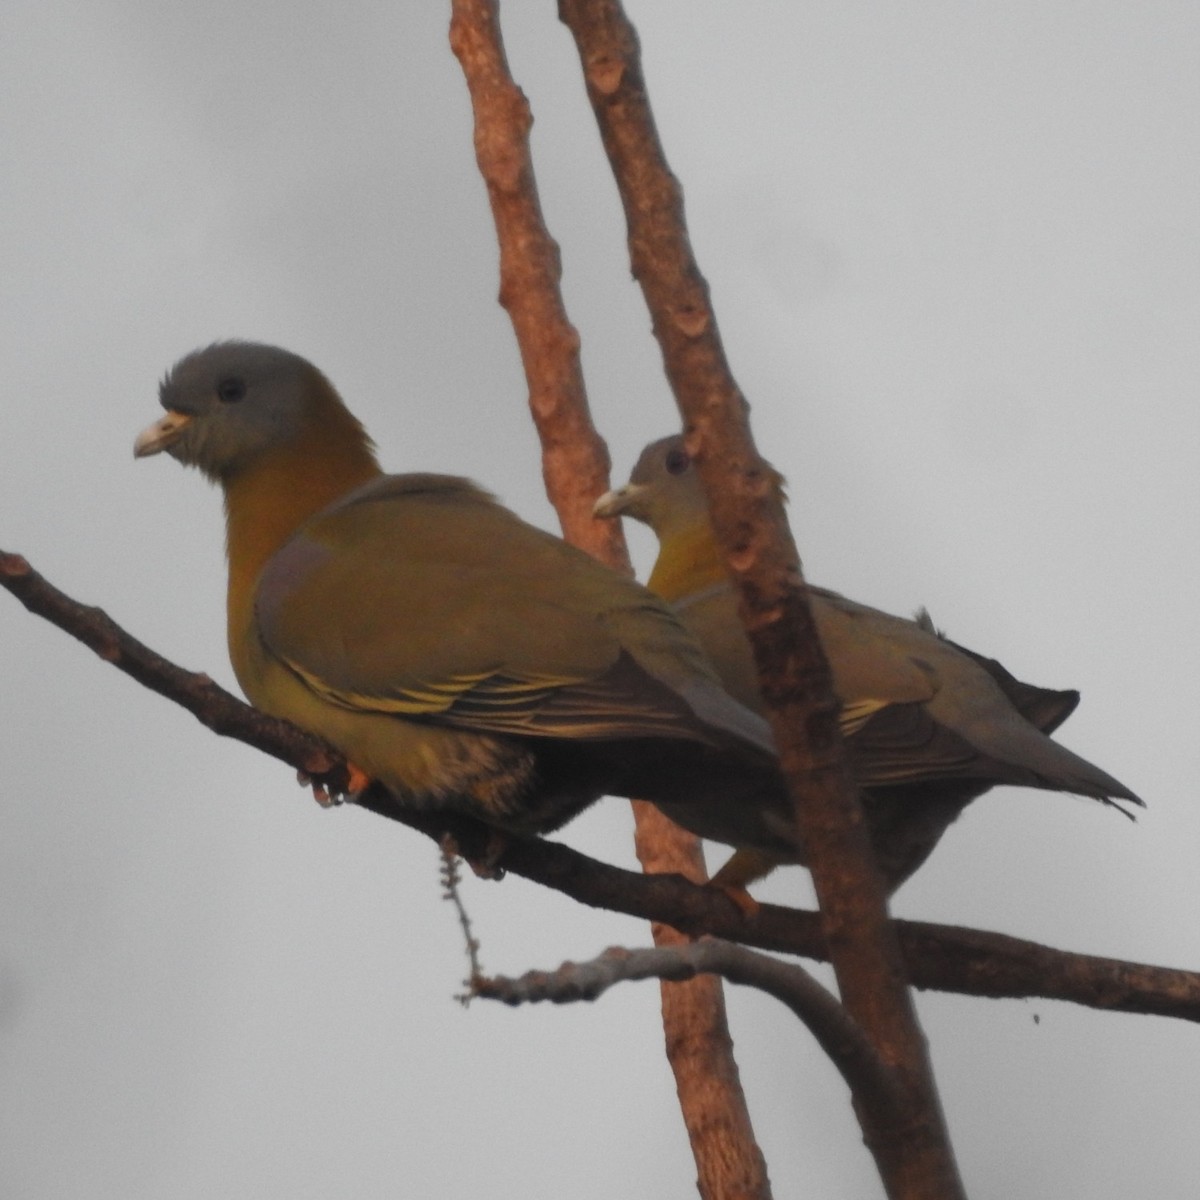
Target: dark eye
677	461
231	390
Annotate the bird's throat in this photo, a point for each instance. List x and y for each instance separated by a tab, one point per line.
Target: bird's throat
266	504
688	562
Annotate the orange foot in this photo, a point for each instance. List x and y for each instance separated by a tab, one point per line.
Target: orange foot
742	869
357	781
746	903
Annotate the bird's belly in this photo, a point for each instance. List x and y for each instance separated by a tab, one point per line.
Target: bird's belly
425	766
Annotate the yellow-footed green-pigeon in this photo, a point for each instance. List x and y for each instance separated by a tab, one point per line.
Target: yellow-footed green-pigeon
459	656
929	725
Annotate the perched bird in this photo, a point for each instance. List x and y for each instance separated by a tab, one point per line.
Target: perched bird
462	658
929	725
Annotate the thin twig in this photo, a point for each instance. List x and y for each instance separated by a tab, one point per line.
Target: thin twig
450	891
835	1031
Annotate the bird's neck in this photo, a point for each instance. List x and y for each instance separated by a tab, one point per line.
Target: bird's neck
265	505
688	562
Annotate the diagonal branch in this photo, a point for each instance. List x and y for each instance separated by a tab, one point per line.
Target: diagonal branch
207	701
824	1017
575	462
914	1155
942	957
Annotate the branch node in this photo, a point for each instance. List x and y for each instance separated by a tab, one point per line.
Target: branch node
13	566
691	320
605	73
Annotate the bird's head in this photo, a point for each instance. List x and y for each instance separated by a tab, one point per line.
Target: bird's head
232	404
664	490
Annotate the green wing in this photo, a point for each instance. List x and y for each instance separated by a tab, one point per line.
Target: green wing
423	597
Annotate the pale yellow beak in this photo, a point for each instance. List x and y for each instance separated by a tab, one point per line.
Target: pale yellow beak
619	501
157	437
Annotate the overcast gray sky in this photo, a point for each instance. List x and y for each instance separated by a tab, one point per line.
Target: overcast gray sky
955	254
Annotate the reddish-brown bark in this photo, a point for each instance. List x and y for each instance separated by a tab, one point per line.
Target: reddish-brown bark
914	1154
575	467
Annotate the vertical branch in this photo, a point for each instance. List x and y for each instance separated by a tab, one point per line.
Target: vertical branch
699	1045
575	462
914	1156
575	467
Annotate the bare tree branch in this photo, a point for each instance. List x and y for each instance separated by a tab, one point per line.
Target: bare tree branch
208	702
945	958
914	1156
575	462
698	1042
941	957
575	467
835	1031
